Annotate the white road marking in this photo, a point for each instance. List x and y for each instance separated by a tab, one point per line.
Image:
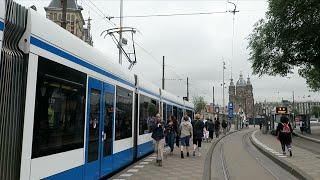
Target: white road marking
152	157
148	160
141	166
144	163
282	156
126	175
119	179
133	170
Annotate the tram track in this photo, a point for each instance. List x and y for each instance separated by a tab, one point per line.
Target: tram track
235	157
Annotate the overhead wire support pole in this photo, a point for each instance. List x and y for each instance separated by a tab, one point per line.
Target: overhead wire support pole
187	89
163	72
223	100
120	32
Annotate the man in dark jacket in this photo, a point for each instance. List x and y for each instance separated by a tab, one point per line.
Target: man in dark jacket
198	128
284	132
210	127
158	136
217	127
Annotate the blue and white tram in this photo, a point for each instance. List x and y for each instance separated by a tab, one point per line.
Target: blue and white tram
68	111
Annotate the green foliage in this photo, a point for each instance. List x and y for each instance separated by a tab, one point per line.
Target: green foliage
315	111
199	104
288	38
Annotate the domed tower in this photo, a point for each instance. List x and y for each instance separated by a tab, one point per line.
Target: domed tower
232	91
241	93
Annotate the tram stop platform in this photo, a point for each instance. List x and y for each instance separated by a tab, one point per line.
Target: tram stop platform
304	164
173	167
314	136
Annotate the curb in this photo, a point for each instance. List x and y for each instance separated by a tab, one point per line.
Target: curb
306	137
208	161
294	170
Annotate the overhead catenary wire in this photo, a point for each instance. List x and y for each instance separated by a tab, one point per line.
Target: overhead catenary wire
168	15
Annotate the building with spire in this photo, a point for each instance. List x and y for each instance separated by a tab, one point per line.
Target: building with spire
241	95
74	18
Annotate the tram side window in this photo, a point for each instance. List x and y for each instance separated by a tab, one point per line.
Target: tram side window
59	109
148	110
164	112
124	108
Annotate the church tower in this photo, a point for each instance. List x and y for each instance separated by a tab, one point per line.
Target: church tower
232	91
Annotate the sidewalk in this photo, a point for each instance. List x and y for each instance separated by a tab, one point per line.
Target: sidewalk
304	162
314	136
173	167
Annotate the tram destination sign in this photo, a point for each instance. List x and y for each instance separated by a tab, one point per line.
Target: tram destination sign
281	110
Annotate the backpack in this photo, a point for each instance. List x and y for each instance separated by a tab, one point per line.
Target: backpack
286	128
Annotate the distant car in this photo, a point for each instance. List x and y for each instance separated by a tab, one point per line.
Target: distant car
314	120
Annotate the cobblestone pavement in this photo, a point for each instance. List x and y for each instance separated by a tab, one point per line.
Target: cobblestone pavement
174	168
305	160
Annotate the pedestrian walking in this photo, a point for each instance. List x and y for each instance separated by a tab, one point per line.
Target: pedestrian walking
158	136
185	134
176	128
260	125
217	127
302	126
210	127
224	126
170	132
284	133
198	128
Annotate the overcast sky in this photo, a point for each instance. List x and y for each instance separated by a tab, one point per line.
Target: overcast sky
193	46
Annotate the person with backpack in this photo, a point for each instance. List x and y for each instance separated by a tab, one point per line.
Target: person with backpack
158	136
284	133
210	127
217	127
185	134
224	127
198	128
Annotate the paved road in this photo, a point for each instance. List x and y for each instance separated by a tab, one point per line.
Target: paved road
306	144
236	158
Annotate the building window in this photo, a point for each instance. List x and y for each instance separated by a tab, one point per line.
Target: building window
72	18
123	124
59	109
59	17
148	110
54	16
68	16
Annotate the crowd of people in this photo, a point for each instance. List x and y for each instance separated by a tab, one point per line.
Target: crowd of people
179	134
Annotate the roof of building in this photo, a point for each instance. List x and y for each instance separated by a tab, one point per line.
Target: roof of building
248	81
71	4
231	82
241	81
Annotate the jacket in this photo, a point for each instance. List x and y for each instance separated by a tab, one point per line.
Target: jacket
157	132
185	129
198	129
209	126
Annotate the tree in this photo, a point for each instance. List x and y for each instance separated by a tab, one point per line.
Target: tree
288	38
199	104
315	111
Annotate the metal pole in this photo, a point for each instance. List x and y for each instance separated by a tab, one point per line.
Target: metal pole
223	102
64	14
213	95
120	32
162	72
187	88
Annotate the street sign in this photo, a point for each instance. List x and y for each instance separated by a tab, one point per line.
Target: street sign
230	110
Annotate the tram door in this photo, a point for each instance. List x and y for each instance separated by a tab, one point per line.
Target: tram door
99	135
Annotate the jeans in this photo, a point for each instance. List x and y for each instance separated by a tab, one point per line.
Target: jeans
170	140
